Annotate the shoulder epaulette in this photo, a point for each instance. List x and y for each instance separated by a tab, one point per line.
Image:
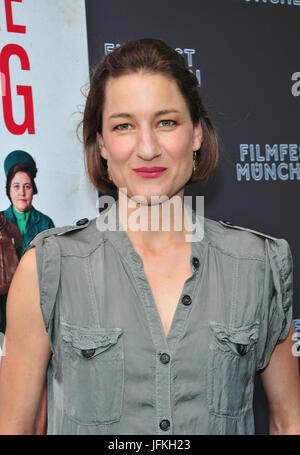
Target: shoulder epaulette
80	224
233	226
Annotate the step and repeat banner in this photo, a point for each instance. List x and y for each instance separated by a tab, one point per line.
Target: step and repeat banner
245	55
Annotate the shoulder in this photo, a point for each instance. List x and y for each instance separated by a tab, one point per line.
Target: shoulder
244	243
238	241
28	261
41	217
77	240
8	213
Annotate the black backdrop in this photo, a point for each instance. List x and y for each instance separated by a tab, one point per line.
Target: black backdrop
245	54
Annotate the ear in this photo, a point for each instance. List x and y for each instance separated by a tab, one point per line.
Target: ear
101	146
197	136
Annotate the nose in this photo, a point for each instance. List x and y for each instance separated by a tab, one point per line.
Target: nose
22	190
147	146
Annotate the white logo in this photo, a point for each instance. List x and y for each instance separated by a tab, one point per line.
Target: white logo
268	162
276	2
296	86
109	47
296	338
162	214
189	53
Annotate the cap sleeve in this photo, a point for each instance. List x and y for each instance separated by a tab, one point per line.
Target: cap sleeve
277	302
48	266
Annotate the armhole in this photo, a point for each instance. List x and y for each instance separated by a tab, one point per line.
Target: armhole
277	305
48	267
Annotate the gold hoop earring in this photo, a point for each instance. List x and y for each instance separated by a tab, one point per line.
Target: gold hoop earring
109	176
194	162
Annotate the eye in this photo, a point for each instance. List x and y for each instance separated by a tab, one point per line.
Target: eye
123	127
167	123
28	187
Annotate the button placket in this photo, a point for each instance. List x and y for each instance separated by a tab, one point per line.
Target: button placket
185	303
163	393
162	344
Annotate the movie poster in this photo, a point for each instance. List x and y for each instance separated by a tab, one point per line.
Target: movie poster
44	75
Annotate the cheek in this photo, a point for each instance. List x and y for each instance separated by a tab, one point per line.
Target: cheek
120	148
180	146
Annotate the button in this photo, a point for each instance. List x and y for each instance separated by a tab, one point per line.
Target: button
164	425
186	300
242	349
88	353
164	358
82	222
196	263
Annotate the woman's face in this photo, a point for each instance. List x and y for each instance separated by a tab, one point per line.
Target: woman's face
147	124
21	192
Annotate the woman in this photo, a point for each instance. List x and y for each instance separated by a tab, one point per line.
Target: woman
148	332
20	170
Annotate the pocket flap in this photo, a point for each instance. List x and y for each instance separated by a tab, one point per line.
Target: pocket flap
91	339
238	339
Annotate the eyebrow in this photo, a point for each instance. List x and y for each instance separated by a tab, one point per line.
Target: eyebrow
157	113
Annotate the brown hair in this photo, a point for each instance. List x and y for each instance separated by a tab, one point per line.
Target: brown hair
20	167
154	56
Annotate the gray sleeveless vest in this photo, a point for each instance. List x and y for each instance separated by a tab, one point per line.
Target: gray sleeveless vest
112	371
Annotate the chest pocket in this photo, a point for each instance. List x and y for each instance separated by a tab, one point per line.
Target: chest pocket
92	374
231	369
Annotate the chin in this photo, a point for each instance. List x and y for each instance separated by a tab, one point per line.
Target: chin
22	209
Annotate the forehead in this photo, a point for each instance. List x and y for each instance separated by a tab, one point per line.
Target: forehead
21	177
142	91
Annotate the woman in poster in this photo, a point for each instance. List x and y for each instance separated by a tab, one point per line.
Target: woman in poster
20	170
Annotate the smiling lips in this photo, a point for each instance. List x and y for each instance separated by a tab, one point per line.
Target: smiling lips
150	172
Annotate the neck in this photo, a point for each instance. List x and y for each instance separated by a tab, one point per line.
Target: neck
21	213
158	226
